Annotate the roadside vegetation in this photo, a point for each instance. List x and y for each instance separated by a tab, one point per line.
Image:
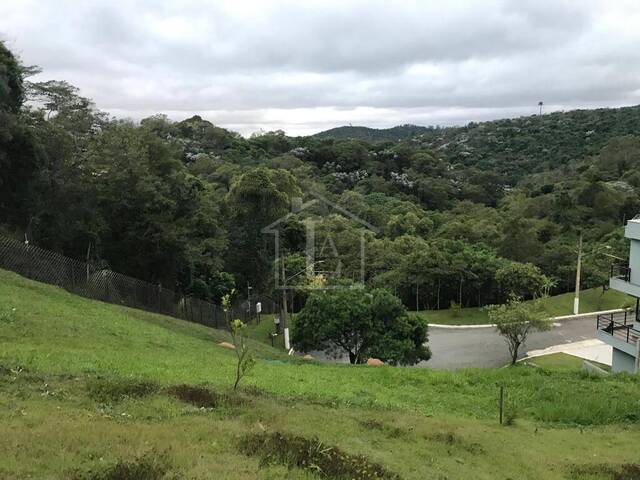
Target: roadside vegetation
515	320
79	376
361	324
591	300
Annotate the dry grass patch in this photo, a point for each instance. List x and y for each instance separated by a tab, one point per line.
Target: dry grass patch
312	455
453	440
151	466
605	471
111	390
203	397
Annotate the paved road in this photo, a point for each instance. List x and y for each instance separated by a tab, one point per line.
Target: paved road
483	347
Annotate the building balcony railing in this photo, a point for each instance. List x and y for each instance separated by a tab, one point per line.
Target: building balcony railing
621	271
619	325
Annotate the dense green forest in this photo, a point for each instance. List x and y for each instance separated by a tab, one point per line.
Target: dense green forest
459	211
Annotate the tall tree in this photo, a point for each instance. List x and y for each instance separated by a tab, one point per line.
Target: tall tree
361	324
256	199
20	155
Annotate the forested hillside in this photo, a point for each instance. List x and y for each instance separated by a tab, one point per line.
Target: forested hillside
459	212
514	147
401	132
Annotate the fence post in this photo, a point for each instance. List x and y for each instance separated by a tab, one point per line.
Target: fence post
501	402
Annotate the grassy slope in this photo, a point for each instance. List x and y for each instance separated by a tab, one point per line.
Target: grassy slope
591	300
562	361
427	424
262	331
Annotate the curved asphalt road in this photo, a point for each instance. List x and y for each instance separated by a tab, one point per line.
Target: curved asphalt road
483	347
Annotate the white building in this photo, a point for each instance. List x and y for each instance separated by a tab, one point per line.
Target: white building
622	330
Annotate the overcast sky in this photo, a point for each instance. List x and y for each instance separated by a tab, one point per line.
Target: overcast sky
305	66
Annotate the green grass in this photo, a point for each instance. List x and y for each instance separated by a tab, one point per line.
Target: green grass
591	300
50	427
464	316
562	361
262	331
85	385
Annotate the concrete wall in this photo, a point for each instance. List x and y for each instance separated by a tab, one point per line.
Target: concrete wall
623	362
632	232
632	229
634	261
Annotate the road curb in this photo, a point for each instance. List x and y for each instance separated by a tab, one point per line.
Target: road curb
555	319
454	327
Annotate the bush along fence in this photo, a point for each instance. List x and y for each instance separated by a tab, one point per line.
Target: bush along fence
101	284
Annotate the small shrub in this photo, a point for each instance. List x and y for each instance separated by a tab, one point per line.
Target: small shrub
108	390
151	466
238	329
510	417
510	412
197	396
312	455
626	471
246	360
515	320
203	397
8	316
455	308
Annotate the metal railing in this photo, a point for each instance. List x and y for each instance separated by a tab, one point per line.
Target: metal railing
101	284
619	325
621	271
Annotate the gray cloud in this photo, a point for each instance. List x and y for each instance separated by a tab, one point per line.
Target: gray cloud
306	66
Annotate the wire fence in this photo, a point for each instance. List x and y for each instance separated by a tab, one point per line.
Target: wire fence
105	285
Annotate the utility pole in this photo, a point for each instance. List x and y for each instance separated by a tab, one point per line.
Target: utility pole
285	321
87	260
576	301
249	300
285	314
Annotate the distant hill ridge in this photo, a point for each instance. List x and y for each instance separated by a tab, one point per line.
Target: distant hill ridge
400	132
406	131
512	147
